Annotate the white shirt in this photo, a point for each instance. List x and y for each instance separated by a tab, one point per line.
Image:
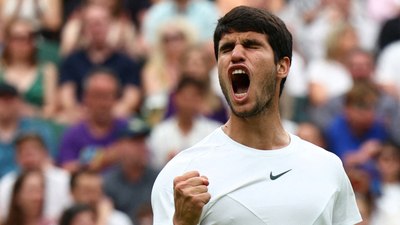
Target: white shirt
388	66
388	206
57	194
332	75
118	218
167	138
300	184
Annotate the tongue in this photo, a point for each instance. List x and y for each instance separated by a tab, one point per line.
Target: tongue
241	90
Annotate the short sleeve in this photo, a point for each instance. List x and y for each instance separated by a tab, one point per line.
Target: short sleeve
162	202
345	210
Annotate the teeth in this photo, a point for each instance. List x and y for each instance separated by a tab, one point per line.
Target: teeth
238	71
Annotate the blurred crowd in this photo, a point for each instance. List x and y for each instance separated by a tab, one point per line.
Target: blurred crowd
96	96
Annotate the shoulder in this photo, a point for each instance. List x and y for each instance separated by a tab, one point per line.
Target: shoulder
314	154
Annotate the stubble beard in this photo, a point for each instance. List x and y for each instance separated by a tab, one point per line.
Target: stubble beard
263	103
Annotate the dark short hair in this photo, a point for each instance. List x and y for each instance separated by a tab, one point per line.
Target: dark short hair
362	94
29	136
81	172
186	80
103	71
70	213
245	19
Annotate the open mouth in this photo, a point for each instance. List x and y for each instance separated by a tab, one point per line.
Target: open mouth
240	82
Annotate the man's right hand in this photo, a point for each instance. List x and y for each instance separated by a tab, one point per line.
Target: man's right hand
190	195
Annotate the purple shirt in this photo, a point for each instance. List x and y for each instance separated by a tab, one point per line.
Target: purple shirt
79	144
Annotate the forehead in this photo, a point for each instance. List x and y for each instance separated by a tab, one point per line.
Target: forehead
241	36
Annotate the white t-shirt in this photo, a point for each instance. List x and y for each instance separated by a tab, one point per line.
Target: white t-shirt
332	75
57	194
167	138
118	218
388	206
388	66
300	184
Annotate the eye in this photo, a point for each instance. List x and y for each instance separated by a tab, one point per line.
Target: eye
226	47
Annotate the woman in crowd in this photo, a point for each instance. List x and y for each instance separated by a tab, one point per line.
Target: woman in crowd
78	215
36	81
27	200
161	72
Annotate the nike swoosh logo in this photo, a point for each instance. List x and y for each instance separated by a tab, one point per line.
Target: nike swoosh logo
274	177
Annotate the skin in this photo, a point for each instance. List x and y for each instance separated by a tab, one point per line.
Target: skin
254	115
31	155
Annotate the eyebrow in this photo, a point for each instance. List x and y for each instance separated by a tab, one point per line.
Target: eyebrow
227	45
251	42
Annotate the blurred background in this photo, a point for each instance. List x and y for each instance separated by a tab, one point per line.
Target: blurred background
96	96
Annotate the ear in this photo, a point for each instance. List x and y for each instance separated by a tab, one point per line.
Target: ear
283	67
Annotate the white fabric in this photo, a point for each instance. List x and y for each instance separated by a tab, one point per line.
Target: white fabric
316	190
118	218
167	138
332	75
27	10
57	194
388	206
388	67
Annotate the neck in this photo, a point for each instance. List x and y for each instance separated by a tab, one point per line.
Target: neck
390	179
20	63
133	173
182	5
98	54
100	128
185	123
31	219
264	131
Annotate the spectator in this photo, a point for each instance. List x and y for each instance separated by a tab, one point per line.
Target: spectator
388	204
129	185
75	67
86	188
121	36
354	135
99	128
193	63
161	72
361	66
329	78
193	11
388	69
36	81
31	154
310	132
186	127
27	200
78	215
12	123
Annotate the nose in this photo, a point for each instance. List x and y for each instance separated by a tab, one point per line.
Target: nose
238	54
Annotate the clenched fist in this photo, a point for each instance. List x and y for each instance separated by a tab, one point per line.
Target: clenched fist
190	195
